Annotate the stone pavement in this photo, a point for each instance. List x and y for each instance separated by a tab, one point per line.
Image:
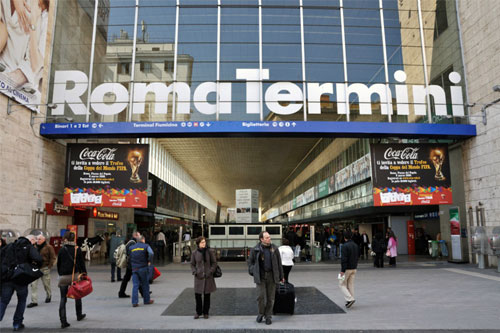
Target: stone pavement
418	295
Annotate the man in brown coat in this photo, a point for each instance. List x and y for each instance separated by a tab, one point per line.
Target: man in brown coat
49	259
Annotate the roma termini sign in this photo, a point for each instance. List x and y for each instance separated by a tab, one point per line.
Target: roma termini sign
282	98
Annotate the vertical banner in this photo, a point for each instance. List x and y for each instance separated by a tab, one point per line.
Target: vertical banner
411	174
456	246
22	51
106	175
410	228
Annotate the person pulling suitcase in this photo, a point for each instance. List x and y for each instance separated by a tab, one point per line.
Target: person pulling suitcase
264	264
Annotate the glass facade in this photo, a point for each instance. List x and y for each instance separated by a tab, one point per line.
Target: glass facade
336	60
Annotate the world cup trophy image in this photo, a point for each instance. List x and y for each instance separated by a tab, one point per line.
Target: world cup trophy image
437	157
135	159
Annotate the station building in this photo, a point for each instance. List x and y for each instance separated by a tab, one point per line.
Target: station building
377	71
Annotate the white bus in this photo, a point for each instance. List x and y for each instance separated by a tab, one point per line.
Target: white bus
235	240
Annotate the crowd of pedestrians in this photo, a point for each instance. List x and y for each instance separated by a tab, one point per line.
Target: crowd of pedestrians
267	264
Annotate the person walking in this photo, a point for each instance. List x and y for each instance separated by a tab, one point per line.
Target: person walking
379	247
287	256
365	244
161	243
264	264
203	266
141	255
392	247
19	252
70	258
114	242
128	272
49	259
349	264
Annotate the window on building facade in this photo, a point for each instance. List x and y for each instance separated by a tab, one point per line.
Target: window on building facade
124	68
146	66
168	66
441	18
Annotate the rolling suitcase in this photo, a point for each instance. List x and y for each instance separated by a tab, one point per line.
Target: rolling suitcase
284	301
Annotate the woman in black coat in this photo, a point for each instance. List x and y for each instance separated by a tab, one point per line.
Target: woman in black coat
379	247
65	263
203	266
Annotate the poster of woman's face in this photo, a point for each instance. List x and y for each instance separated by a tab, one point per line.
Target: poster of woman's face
23	35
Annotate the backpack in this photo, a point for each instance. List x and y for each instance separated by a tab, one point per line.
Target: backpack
120	256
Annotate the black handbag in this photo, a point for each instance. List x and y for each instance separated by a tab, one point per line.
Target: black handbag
25	273
218	272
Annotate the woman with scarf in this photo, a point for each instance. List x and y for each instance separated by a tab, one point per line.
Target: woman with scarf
65	263
203	265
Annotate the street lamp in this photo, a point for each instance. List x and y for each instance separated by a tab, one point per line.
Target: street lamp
496	88
49	106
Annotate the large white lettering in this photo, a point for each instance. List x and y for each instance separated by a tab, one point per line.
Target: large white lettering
283	98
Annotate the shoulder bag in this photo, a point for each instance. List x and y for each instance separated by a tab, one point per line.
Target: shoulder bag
82	286
25	273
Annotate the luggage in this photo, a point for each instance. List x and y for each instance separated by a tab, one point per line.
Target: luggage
284	301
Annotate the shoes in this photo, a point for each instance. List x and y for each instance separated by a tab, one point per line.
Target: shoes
18	328
80	318
64	325
151	301
32	305
119	279
196	316
48	299
205	316
349	304
268	321
112	280
259	318
123	295
135	305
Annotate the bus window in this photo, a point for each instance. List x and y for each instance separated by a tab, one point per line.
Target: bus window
217	230
236	230
254	230
273	230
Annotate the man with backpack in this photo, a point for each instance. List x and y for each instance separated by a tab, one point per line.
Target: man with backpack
124	258
20	252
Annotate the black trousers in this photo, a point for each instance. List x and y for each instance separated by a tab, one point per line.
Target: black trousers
62	305
286	271
392	261
202	307
379	259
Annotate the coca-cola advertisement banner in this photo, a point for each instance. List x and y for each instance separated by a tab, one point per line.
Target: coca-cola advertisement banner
411	174
106	175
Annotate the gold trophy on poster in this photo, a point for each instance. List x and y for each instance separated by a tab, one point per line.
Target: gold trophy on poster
135	159
437	157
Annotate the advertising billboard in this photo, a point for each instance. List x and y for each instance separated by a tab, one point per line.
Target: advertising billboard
411	174
106	175
23	31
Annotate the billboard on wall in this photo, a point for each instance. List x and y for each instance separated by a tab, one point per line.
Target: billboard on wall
22	53
106	175
411	174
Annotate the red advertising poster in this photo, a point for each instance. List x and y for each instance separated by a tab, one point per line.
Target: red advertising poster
106	175
411	174
410	227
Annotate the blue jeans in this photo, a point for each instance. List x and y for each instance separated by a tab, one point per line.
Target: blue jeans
140	278
8	289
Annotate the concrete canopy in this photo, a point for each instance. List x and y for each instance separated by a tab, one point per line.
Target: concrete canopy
222	165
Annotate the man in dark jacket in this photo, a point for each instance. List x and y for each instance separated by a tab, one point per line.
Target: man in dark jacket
264	264
349	263
22	251
141	255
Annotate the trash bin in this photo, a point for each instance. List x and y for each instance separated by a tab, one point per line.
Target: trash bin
317	254
433	248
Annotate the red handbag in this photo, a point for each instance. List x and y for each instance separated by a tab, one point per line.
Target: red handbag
81	287
156	273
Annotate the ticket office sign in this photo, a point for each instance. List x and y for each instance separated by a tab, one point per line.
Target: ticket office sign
411	174
106	175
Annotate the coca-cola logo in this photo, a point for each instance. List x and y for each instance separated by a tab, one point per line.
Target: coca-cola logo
402	154
104	154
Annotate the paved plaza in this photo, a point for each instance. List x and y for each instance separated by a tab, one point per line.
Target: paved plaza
417	295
